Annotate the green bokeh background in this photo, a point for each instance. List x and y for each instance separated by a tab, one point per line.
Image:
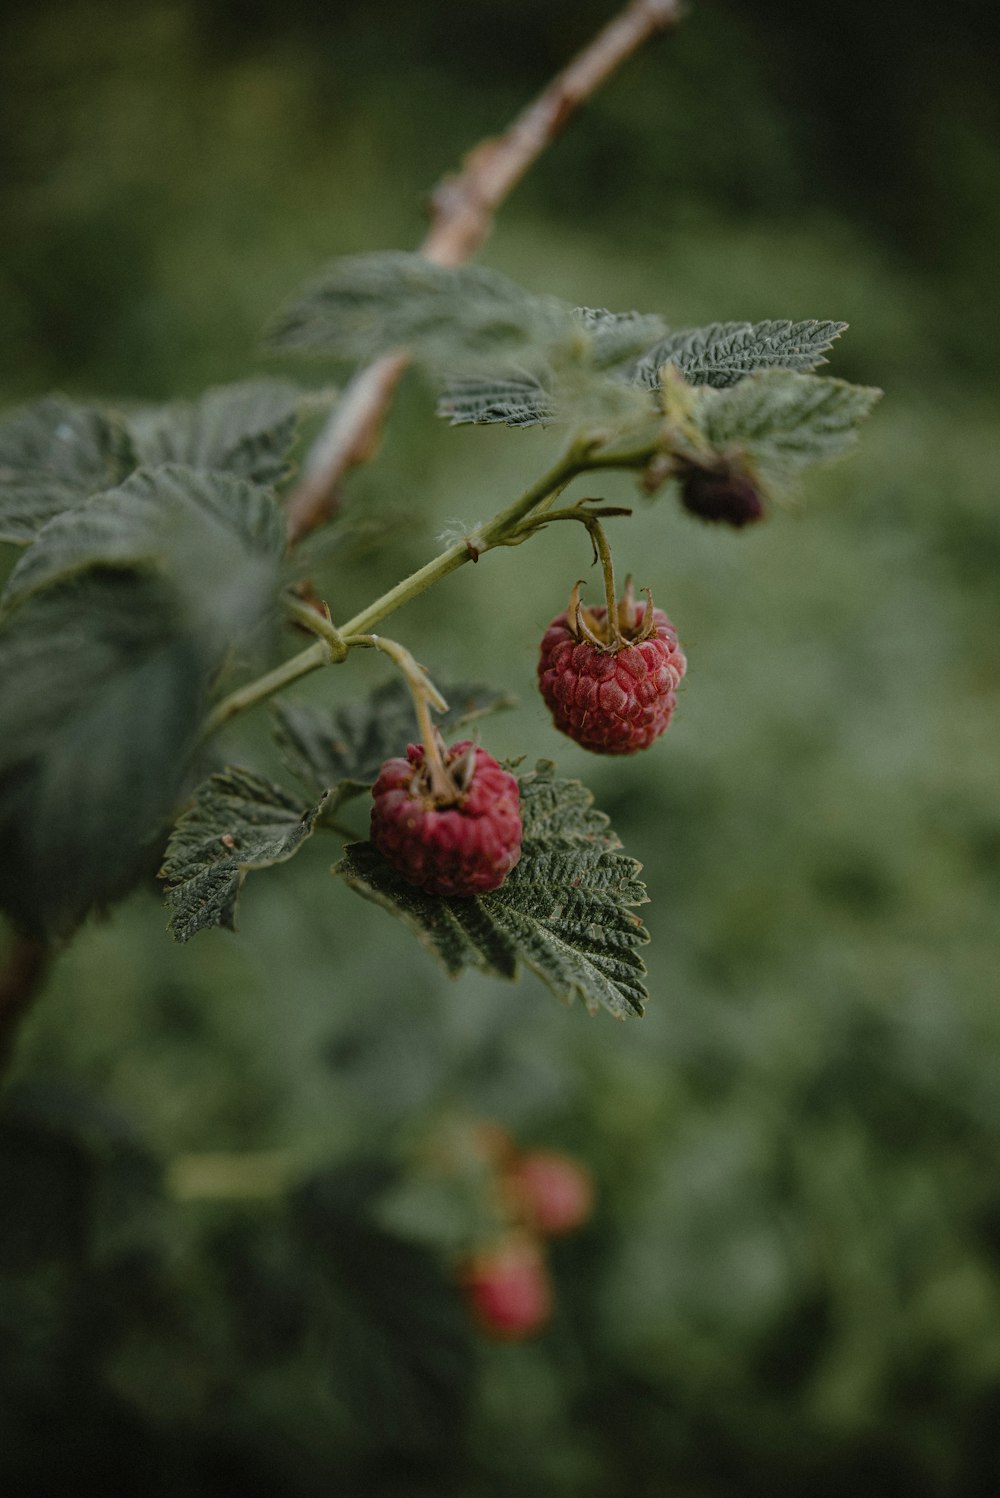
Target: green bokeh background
791	1284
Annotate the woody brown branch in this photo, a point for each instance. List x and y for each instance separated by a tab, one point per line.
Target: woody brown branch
463	207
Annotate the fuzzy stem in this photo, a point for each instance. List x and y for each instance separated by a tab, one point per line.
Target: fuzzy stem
600	540
308	660
321	624
488	536
425	696
415	674
485	537
543	517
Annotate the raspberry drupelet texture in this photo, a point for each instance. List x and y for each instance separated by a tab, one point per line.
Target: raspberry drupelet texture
611	695
463	847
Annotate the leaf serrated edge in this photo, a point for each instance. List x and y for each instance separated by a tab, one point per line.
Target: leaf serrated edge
309	817
629	892
360	885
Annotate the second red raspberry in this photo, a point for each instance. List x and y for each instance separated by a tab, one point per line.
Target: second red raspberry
611	700
466	845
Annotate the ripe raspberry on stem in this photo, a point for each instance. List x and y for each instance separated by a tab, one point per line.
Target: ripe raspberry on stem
550	1192
448	820
508	1288
609	675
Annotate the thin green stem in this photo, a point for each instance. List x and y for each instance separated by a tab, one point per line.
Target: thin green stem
579	456
550	499
320	623
628	457
540	519
425	696
315	655
415	674
600	540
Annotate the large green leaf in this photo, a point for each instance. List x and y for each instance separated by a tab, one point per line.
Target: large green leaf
615	337
238	822
55	453
581	383
566	910
341	750
102	687
578	378
784	421
218	537
445	317
246	429
725	352
489	399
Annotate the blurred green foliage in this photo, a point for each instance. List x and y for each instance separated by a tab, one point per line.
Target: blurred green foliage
792	1281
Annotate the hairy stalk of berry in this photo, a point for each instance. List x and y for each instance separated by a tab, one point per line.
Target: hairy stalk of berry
462	838
609	675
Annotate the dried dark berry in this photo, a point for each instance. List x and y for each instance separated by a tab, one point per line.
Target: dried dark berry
721	493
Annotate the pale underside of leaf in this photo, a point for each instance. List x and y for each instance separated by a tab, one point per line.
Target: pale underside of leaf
102	687
617	337
616	353
565	911
54	454
238	822
245	429
219	538
513	402
785	421
445	317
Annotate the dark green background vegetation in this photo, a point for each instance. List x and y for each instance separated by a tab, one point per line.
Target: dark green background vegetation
791	1285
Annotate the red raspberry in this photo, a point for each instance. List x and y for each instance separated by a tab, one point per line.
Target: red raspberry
612	691
552	1193
508	1289
464	846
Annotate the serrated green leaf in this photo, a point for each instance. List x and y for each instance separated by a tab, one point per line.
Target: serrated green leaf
246	429
616	337
455	318
583	381
218	537
576	373
238	822
784	421
342	750
514	403
724	353
565	910
54	454
102	688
